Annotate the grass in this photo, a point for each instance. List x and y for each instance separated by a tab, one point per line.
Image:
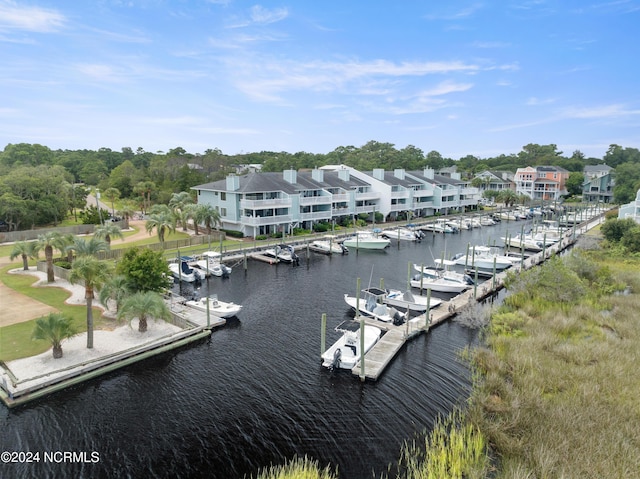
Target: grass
15	339
559	398
297	468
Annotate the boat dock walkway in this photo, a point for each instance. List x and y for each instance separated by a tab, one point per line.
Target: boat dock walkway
395	337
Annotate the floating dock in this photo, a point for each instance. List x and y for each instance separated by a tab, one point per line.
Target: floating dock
395	337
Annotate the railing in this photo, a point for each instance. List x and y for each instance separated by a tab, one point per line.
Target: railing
265	220
370	195
257	204
315	200
337	198
316	215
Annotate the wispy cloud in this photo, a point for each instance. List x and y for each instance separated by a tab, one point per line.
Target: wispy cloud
28	18
459	14
534	101
605	111
259	15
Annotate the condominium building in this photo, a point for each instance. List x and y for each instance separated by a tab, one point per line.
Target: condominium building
261	203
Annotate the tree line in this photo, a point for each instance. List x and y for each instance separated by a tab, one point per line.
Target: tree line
40	186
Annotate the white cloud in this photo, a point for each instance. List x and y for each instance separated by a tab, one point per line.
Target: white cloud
263	16
606	111
32	19
534	101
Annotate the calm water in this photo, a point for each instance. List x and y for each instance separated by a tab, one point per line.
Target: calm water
254	394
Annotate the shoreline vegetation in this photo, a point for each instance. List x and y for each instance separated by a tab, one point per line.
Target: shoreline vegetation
555	383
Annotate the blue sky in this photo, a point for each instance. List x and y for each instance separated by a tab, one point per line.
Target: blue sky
459	77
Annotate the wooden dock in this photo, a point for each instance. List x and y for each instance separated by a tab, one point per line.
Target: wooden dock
395	337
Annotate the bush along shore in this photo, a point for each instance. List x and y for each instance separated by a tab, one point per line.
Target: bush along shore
555	382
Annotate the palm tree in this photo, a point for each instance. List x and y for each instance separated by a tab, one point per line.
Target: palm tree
106	231
127	210
194	213
88	247
46	241
508	197
144	305
54	328
112	194
163	220
144	188
27	249
116	288
94	273
210	217
62	243
178	204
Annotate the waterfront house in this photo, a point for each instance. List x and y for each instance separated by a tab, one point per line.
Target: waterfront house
631	210
541	182
598	184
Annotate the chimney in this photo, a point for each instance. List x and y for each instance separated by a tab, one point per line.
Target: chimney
399	173
344	175
233	183
378	174
317	175
290	176
428	173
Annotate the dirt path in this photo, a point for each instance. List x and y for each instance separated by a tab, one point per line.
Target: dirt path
16	307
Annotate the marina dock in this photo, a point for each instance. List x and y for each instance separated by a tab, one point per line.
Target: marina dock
395	337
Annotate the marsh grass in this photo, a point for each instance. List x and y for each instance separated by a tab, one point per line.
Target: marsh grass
298	468
557	394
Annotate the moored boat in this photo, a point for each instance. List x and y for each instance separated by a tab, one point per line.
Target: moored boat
366	240
346	351
220	309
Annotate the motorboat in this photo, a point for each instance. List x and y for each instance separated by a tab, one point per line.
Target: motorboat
209	263
372	305
183	272
483	257
217	308
284	253
401	234
347	350
366	240
487	221
439	226
328	246
526	242
404	300
442	278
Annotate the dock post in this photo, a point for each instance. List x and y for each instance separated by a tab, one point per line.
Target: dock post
208	312
244	259
466	258
362	374
421	277
323	333
544	247
427	317
493	278
382	284
475	284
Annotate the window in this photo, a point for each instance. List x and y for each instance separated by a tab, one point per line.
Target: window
223	212
223	196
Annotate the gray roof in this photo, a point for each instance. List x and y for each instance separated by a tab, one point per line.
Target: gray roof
257	182
595	168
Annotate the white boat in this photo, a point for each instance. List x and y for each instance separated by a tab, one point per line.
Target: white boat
404	300
482	257
283	252
527	242
217	308
183	272
209	263
346	351
328	246
487	221
439	226
366	240
372	306
400	234
442	280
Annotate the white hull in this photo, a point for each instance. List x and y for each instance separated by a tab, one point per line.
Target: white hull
327	247
345	352
411	302
217	308
188	274
362	241
483	258
381	312
441	285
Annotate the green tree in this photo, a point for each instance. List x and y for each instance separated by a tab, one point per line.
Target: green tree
209	217
631	239
614	229
27	250
54	328
627	182
127	210
116	289
144	189
178	204
574	183
508	197
145	270
123	177
112	194
162	220
108	231
88	247
46	242
144	305
93	273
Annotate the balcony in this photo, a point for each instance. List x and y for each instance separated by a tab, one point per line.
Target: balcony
315	216
265	220
316	200
264	204
340	197
367	195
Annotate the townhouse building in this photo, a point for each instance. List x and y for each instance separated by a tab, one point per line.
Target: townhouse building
541	182
496	181
262	203
631	210
598	184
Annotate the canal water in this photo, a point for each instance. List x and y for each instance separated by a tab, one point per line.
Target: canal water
255	394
